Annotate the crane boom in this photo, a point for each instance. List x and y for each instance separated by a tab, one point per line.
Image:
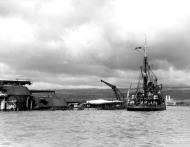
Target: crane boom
110	85
117	92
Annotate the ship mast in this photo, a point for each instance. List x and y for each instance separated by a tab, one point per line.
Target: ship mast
144	70
145	76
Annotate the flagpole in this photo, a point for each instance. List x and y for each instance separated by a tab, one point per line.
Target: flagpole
145	46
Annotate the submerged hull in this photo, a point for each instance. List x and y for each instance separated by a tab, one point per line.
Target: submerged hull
106	105
146	108
111	108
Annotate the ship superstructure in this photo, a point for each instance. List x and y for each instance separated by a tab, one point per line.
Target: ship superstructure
14	95
148	95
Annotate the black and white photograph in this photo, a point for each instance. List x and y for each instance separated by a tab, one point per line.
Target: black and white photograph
94	73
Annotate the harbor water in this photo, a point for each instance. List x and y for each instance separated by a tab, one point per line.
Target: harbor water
96	128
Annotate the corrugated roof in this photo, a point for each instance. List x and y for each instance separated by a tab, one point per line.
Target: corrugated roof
15	82
16	90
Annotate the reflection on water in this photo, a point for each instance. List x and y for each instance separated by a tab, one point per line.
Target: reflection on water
95	128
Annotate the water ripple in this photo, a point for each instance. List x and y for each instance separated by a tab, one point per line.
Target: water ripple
96	128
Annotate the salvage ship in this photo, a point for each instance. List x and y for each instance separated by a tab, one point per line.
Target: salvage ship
148	95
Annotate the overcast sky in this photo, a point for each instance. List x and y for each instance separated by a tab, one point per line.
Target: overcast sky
75	43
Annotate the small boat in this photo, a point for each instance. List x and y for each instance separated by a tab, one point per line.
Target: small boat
148	95
170	101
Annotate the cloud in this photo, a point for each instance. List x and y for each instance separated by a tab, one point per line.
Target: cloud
59	43
174	48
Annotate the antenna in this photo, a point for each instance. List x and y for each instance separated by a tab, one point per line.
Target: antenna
145	46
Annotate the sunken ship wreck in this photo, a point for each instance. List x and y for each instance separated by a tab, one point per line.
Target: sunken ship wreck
14	95
148	95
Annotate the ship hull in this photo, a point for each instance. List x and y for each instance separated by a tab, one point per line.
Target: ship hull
146	108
